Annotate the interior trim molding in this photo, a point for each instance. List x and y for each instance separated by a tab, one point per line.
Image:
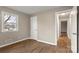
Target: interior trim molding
26	39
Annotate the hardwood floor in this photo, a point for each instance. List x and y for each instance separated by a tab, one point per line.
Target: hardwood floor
33	46
64	42
28	46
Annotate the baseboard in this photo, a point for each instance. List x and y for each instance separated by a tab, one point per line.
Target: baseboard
25	39
46	42
13	42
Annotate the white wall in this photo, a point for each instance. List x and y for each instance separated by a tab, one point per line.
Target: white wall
46	25
63	26
23	27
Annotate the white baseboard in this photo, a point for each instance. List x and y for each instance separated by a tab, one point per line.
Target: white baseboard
13	42
45	42
25	39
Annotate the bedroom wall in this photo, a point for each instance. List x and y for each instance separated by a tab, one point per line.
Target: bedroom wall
24	28
46	24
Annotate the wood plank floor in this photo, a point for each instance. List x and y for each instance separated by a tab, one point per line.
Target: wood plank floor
29	46
33	46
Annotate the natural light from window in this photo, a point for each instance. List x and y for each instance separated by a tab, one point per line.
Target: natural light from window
9	22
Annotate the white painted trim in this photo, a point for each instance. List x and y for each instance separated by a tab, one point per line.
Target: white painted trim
56	19
55	29
23	40
13	42
74	29
58	12
45	42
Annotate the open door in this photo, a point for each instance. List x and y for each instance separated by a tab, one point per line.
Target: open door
73	28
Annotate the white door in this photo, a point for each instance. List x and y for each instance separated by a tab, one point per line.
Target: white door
34	30
74	29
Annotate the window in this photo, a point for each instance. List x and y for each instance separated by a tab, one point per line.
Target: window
34	28
9	22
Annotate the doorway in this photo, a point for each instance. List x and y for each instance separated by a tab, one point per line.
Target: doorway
63	27
62	23
71	17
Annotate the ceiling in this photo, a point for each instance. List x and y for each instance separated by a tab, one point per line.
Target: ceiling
32	9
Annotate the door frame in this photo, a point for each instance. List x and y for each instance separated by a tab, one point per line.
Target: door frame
57	24
74	31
